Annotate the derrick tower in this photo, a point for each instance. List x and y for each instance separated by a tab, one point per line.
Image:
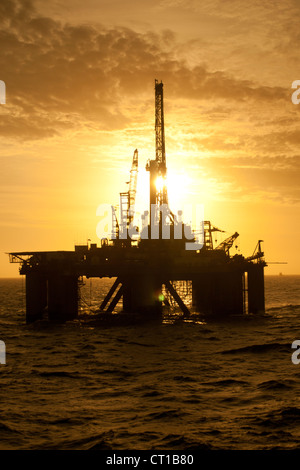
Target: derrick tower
157	167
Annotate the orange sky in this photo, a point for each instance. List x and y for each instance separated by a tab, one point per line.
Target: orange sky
80	98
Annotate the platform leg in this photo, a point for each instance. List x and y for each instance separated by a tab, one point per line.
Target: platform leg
218	293
62	298
36	296
256	289
142	294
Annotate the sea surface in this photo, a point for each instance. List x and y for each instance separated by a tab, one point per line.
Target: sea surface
167	384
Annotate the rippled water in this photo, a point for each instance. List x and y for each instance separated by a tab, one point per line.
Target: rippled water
169	384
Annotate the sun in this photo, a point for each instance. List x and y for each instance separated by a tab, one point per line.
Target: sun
160	183
179	186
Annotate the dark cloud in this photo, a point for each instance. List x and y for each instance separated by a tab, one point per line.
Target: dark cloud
285	141
89	71
14	13
276	177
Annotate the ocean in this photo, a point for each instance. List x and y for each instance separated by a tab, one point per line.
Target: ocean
170	383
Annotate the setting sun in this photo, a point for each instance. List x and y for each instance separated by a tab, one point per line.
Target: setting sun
160	183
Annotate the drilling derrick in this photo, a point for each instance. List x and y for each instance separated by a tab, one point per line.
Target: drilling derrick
157	167
160	150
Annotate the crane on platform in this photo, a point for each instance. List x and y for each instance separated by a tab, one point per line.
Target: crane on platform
127	202
257	254
208	230
131	194
227	243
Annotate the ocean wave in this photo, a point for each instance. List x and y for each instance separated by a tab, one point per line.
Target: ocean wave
184	378
279	418
178	442
56	373
161	415
259	348
98	442
124	374
152	393
6	428
282	307
276	385
227	383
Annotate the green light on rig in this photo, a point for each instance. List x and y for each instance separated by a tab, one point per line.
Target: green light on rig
161	297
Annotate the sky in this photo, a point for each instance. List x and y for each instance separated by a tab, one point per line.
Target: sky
80	99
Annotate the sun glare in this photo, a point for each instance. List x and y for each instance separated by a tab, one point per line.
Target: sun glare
159	183
178	188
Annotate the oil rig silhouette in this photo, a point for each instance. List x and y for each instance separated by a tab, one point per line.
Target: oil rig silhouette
146	267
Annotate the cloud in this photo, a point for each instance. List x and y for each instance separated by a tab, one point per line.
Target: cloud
273	178
57	73
14	12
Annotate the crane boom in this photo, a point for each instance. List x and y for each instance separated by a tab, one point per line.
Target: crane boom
127	201
132	187
227	244
258	254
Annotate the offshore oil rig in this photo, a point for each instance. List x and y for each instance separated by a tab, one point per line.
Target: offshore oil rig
144	267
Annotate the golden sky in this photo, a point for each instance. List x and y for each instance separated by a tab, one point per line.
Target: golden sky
80	98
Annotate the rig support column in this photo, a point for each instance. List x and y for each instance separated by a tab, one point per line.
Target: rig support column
218	293
202	292
256	288
233	292
141	294
36	296
62	298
